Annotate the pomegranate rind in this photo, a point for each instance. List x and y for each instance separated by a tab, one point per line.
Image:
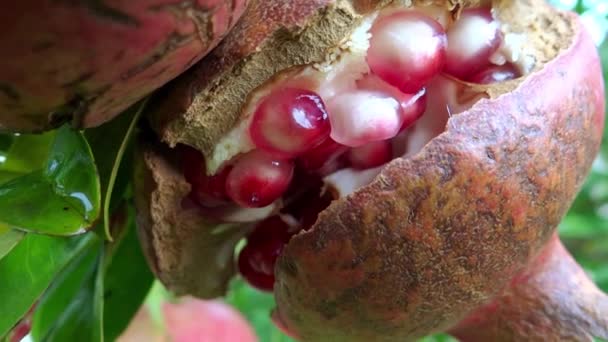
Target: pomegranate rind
87	61
439	234
549	300
189	254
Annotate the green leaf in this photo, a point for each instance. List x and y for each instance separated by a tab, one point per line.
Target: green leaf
109	144
28	270
128	280
63	300
28	152
8	239
77	320
6	176
101	291
6	140
63	198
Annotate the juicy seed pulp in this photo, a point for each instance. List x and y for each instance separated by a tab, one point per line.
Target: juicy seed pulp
473	38
371	155
256	260
363	116
495	74
257	179
207	191
407	49
290	121
323	159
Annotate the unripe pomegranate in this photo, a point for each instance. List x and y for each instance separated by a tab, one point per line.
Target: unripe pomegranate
437	190
86	61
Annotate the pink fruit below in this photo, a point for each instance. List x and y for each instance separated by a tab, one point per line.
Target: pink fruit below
190	320
86	61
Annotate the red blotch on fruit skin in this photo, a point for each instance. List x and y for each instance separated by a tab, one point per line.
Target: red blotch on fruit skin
256	260
289	122
407	49
258	179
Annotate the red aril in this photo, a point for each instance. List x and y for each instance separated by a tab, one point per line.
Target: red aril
361	116
495	74
370	155
258	179
207	191
257	259
413	107
289	122
324	158
305	208
473	38
407	49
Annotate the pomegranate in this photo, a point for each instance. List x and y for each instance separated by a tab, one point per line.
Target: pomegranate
421	181
86	61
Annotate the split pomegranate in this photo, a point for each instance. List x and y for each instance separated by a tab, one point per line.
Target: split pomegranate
353	125
414	149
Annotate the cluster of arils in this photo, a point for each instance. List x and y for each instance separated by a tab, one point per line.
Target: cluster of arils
301	132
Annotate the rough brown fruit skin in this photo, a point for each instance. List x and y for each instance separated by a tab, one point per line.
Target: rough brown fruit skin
189	253
86	61
437	235
552	299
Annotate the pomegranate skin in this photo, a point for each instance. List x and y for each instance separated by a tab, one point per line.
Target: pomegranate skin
439	234
189	253
86	61
548	301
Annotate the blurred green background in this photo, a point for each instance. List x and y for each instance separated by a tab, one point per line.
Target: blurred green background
584	230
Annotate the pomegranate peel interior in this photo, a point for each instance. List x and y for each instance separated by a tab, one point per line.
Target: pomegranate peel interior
394	199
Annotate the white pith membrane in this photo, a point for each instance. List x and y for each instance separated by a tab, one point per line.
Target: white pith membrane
349	88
